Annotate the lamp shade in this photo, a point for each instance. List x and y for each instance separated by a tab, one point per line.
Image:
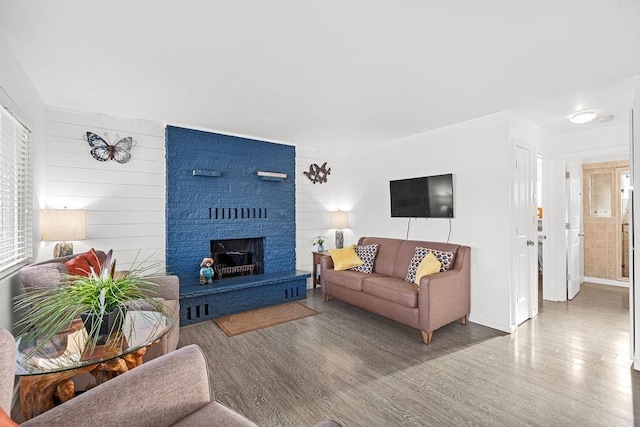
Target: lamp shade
339	220
64	224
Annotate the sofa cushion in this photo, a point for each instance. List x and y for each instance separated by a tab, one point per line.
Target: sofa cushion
347	278
367	254
392	289
445	258
345	258
386	255
428	265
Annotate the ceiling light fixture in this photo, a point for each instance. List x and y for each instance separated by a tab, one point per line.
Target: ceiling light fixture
582	117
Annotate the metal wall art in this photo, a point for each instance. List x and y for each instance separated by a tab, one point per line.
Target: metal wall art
318	173
102	151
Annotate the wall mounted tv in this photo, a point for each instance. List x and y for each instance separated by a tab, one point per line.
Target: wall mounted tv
425	197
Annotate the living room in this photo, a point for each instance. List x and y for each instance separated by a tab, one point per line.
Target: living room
126	202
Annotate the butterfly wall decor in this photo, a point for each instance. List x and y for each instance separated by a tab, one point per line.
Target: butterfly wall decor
318	173
102	151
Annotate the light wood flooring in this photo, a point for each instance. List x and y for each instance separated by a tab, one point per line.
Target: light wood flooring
567	367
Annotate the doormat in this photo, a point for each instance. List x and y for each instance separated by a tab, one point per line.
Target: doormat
248	321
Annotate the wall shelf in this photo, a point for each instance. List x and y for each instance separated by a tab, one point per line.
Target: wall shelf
272	176
204	172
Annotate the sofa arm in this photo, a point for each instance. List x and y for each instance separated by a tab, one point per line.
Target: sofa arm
326	262
445	297
7	369
158	393
168	287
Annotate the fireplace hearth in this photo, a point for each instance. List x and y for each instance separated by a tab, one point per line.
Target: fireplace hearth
238	257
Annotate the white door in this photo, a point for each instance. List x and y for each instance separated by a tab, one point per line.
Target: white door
574	229
525	238
633	305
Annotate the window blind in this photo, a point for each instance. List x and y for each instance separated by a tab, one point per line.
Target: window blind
16	202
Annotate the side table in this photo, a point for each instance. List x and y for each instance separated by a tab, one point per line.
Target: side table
47	372
317	255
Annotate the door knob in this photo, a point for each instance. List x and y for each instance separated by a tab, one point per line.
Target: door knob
530	243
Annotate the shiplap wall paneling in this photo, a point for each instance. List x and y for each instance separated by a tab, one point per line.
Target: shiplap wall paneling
125	202
313	204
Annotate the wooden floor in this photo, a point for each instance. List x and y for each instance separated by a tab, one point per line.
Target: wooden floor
567	367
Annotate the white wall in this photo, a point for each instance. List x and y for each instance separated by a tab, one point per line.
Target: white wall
125	202
608	143
18	94
477	152
314	202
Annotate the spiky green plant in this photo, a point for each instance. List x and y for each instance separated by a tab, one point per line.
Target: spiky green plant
52	310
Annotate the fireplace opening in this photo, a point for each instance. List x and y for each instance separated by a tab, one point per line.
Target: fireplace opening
237	257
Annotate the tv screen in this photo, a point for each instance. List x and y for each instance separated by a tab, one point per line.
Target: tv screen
425	197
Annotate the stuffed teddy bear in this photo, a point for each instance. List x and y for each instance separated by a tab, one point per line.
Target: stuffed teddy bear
206	271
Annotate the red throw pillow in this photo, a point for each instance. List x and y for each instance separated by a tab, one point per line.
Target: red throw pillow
5	421
81	264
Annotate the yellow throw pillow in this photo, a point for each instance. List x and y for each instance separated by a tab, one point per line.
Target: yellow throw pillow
428	265
345	258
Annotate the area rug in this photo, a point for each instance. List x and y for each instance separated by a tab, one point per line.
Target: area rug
247	321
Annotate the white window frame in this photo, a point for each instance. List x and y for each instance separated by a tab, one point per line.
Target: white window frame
16	189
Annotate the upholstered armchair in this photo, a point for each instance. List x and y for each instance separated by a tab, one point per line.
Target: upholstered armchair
53	272
8	355
171	390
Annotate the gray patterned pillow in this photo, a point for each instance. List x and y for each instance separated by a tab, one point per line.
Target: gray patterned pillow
445	258
367	254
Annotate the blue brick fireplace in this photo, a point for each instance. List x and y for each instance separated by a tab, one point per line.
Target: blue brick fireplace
214	194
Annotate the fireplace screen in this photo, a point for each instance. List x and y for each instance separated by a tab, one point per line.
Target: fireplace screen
238	257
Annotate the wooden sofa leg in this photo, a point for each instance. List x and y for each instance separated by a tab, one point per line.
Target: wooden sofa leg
463	320
427	336
325	297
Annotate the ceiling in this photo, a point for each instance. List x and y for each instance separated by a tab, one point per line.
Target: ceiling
329	73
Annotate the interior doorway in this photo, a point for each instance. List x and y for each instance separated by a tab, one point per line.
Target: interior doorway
540	217
607	222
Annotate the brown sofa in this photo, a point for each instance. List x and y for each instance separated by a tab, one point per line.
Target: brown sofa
442	297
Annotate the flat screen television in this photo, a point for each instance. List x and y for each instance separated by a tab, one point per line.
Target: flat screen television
424	197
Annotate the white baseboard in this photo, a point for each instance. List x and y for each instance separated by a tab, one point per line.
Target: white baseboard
491	324
607	282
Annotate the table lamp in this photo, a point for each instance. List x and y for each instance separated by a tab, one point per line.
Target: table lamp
339	220
65	225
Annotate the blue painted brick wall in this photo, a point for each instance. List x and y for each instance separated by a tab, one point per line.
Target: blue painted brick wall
189	229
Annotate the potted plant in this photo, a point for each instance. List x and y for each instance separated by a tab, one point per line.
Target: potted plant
100	299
